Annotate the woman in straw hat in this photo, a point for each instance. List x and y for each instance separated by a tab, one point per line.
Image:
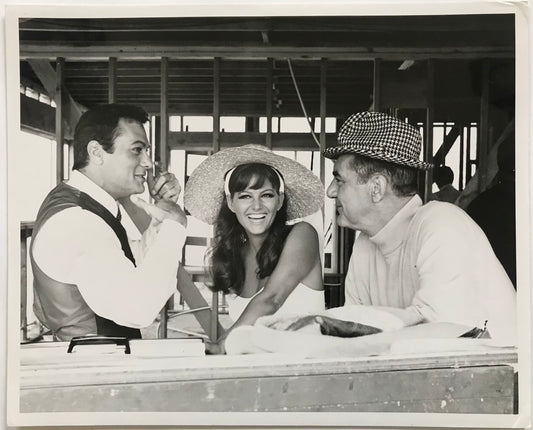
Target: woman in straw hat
249	193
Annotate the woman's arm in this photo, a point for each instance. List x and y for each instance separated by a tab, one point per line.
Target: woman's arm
298	258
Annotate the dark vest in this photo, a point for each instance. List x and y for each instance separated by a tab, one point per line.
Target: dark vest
60	306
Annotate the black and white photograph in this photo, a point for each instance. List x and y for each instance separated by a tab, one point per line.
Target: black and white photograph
268	214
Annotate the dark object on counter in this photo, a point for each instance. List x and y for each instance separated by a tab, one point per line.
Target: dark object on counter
335	327
476	332
99	340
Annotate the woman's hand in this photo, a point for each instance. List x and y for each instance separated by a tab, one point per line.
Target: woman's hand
215	348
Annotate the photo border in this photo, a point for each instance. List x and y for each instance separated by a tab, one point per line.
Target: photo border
271	8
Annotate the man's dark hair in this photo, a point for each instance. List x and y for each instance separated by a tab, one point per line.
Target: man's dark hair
442	175
403	179
101	124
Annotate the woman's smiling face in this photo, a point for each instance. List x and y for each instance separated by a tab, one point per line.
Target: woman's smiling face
256	208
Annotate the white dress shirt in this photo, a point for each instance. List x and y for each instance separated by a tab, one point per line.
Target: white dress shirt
78	247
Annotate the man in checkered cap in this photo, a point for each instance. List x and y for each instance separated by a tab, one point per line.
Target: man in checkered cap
426	263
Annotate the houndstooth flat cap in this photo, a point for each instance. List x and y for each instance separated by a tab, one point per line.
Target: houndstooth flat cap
380	136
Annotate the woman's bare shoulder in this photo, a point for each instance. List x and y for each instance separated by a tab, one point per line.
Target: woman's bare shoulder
303	231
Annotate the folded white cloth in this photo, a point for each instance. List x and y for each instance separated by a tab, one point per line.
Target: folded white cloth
270	334
383	318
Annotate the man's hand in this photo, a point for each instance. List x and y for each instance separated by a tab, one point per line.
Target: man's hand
165	186
163	209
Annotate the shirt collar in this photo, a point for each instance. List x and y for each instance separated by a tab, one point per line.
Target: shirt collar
392	234
83	183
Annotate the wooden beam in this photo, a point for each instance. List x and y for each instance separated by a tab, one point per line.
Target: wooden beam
447	144
164	127
428	132
471	190
323	104
483	140
72	111
163	154
462	156
60	135
195	300
184	71
216	105
37	117
112	78
256	108
331	24
376	91
269	100
332	51
202	141
24	235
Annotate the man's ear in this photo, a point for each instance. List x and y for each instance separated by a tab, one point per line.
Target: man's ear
96	152
377	187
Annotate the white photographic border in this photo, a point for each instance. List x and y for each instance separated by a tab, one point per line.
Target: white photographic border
122	9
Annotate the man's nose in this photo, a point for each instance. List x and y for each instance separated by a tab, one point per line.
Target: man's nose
146	160
331	192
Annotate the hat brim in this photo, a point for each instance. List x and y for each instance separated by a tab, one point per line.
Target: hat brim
204	191
335	152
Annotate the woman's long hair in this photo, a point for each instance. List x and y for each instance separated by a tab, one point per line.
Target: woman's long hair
227	262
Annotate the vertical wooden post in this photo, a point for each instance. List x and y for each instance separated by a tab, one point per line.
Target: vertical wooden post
24	281
161	157
216	104
323	95
428	147
60	138
376	93
112	86
163	141
468	160
461	157
213	322
483	135
269	101
216	147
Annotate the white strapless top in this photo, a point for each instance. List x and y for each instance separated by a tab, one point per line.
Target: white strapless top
302	300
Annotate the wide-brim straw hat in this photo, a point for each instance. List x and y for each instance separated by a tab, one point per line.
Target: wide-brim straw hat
204	191
380	136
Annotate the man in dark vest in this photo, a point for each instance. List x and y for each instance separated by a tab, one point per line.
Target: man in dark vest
89	276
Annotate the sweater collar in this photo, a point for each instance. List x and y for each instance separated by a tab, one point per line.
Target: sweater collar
392	234
83	183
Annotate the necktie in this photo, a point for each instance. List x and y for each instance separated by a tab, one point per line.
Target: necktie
119	215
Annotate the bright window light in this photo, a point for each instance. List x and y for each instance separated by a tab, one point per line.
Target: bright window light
198	123
236	124
32	93
263	124
331	125
174	123
294	125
